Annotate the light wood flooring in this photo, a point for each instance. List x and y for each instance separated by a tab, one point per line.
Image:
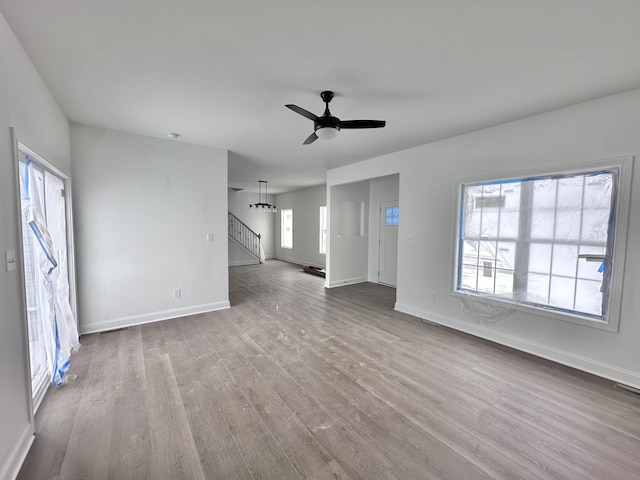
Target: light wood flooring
298	382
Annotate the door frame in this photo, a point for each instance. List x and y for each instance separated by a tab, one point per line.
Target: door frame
18	147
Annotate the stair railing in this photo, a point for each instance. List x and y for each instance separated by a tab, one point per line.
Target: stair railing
242	234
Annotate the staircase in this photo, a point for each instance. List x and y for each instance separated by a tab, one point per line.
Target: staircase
246	238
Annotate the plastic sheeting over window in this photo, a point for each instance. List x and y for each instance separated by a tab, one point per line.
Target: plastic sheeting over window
44	212
541	241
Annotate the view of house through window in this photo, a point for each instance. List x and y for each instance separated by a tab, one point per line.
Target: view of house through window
544	241
323	229
286	224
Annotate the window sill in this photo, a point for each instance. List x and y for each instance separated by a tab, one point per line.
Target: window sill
549	312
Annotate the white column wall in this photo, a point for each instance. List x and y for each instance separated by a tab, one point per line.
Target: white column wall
143	208
599	129
348	256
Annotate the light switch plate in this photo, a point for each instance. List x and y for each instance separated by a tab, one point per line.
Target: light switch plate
10	260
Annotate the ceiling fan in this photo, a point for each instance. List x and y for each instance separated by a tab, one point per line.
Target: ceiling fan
327	126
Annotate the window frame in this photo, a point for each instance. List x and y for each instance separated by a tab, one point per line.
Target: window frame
611	321
324	222
282	236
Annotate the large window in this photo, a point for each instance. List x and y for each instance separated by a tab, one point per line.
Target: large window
323	230
286	225
551	242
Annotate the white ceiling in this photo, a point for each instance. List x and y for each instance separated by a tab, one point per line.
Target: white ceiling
220	72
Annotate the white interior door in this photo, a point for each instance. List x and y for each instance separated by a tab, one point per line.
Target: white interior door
388	245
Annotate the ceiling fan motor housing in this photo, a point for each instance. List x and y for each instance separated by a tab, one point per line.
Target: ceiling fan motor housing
327	121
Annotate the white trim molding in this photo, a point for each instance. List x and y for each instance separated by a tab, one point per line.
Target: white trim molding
345	281
152	317
569	359
16	457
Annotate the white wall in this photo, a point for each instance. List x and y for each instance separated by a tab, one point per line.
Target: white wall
27	105
381	189
143	208
348	254
600	129
262	223
306	205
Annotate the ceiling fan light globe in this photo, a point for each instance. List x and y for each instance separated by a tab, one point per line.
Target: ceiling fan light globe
327	133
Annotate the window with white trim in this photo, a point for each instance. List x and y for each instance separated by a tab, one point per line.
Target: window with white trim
323	230
286	226
551	242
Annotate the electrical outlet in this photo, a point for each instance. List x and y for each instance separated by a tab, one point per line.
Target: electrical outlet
177	293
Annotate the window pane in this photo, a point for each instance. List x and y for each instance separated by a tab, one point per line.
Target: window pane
597	191
504	282
542	223
544	193
589	297
469	277
565	260
568	224
286	224
561	292
538	289
509	224
540	258
505	258
595	224
570	192
470	253
391	214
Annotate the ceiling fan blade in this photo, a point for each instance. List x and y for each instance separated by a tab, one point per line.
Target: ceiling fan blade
362	124
303	112
311	138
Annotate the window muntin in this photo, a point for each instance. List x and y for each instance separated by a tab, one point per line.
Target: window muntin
323	230
286	225
392	214
544	241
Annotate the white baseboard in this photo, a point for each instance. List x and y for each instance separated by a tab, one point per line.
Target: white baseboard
299	262
244	262
579	362
11	466
345	281
152	317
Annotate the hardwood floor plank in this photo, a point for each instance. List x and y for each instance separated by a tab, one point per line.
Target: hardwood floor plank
219	455
131	427
174	454
92	418
305	453
262	454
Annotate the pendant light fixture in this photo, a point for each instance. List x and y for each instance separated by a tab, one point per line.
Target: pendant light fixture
262	206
